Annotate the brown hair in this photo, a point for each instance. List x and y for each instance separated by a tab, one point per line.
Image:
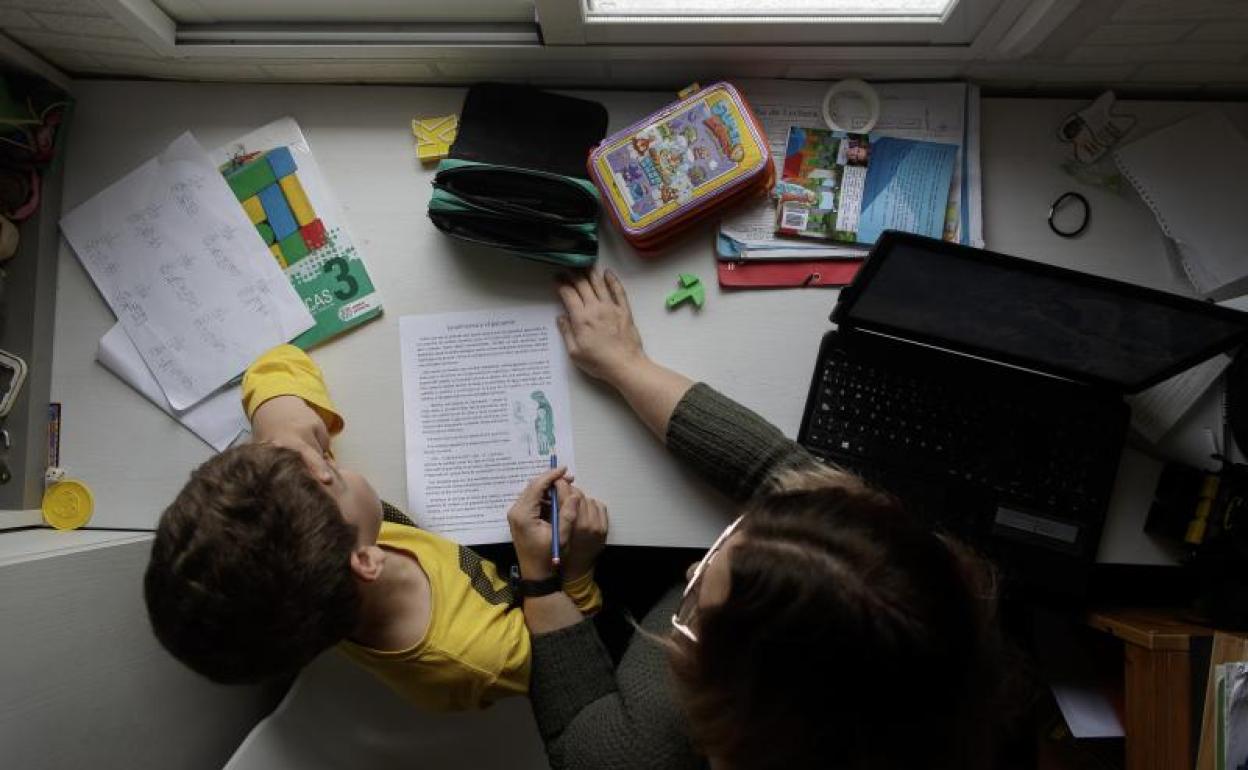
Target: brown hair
249	575
852	637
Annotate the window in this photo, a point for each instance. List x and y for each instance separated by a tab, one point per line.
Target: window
822	10
744	22
355	11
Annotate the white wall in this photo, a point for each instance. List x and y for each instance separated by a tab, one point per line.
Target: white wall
84	683
1197	46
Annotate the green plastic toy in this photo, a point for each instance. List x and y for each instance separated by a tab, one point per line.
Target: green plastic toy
691	289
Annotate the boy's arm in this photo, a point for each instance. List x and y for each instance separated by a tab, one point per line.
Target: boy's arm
285	398
584	593
288	371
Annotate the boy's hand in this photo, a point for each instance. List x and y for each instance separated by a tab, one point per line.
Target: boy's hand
598	329
289	422
588	535
530	533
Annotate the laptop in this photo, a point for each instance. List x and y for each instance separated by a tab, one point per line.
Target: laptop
987	392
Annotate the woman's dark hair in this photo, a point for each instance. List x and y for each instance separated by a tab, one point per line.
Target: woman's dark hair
250	574
852	637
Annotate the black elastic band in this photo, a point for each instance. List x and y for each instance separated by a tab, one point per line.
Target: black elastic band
1087	214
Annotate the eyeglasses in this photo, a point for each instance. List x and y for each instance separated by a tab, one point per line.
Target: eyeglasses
687	613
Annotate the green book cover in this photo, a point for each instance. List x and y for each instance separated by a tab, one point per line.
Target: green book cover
277	181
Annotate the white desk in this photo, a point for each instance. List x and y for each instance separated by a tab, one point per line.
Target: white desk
757	347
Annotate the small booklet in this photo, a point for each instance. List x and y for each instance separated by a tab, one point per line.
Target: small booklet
852	188
277	182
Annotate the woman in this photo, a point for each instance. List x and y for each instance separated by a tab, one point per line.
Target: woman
825	628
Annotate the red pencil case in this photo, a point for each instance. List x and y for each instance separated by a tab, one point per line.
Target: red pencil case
693	158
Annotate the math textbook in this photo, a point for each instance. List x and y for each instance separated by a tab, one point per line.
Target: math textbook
276	180
851	188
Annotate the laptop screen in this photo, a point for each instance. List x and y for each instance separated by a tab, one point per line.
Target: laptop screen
1033	315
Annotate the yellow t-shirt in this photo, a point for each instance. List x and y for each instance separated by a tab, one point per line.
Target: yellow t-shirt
476	648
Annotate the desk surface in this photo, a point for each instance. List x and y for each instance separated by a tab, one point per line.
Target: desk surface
757	347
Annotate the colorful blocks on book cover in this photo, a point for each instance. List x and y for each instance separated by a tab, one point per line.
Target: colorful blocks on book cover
268	187
313	234
297	198
281	161
250	178
277	211
434	137
254	210
294	248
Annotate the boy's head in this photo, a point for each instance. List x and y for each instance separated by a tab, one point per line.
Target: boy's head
256	564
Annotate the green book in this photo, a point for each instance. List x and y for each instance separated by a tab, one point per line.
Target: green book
276	180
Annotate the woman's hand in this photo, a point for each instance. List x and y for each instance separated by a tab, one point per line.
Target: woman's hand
289	422
598	328
587	536
604	343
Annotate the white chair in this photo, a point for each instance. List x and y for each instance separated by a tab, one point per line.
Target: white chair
339	716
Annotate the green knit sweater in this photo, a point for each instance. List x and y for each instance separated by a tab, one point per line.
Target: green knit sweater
595	717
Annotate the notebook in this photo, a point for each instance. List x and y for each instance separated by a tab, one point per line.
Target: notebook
1191	175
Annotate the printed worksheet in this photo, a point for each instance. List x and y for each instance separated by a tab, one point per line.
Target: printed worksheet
485	407
190	279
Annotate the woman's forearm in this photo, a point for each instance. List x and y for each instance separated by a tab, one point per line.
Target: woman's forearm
653	391
543	614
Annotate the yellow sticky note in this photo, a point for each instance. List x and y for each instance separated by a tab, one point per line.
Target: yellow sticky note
297	198
434	136
254	209
277	252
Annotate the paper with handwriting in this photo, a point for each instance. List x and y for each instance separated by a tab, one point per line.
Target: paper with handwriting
188	276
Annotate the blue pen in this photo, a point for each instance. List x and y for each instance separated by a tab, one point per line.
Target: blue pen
554	516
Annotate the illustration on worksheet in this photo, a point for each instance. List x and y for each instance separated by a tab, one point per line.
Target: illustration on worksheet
543	424
532	422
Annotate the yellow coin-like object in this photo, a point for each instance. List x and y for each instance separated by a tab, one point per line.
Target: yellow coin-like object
68	504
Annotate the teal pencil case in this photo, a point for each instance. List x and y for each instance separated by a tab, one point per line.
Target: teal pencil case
532	214
516	178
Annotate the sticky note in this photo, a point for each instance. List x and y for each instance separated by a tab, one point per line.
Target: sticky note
266	233
313	234
277	211
254	210
277	252
293	247
281	161
297	198
434	136
250	178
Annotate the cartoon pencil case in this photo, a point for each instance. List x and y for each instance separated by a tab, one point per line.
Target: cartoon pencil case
685	162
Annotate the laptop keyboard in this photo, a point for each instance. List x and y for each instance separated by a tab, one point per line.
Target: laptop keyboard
1046	459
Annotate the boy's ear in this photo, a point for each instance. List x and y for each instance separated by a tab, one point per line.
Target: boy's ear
366	562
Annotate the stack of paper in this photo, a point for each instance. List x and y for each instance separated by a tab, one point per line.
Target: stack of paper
195	289
1191	175
1231	700
329	278
938	112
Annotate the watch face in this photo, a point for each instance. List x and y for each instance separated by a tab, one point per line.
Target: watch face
6	378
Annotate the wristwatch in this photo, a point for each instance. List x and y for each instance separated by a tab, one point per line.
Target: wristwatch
524	589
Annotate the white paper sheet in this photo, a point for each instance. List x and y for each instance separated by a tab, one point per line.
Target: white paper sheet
218	419
185	271
933	112
1072	675
480	391
1156	410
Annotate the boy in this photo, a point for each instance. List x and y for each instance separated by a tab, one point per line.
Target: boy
272	553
